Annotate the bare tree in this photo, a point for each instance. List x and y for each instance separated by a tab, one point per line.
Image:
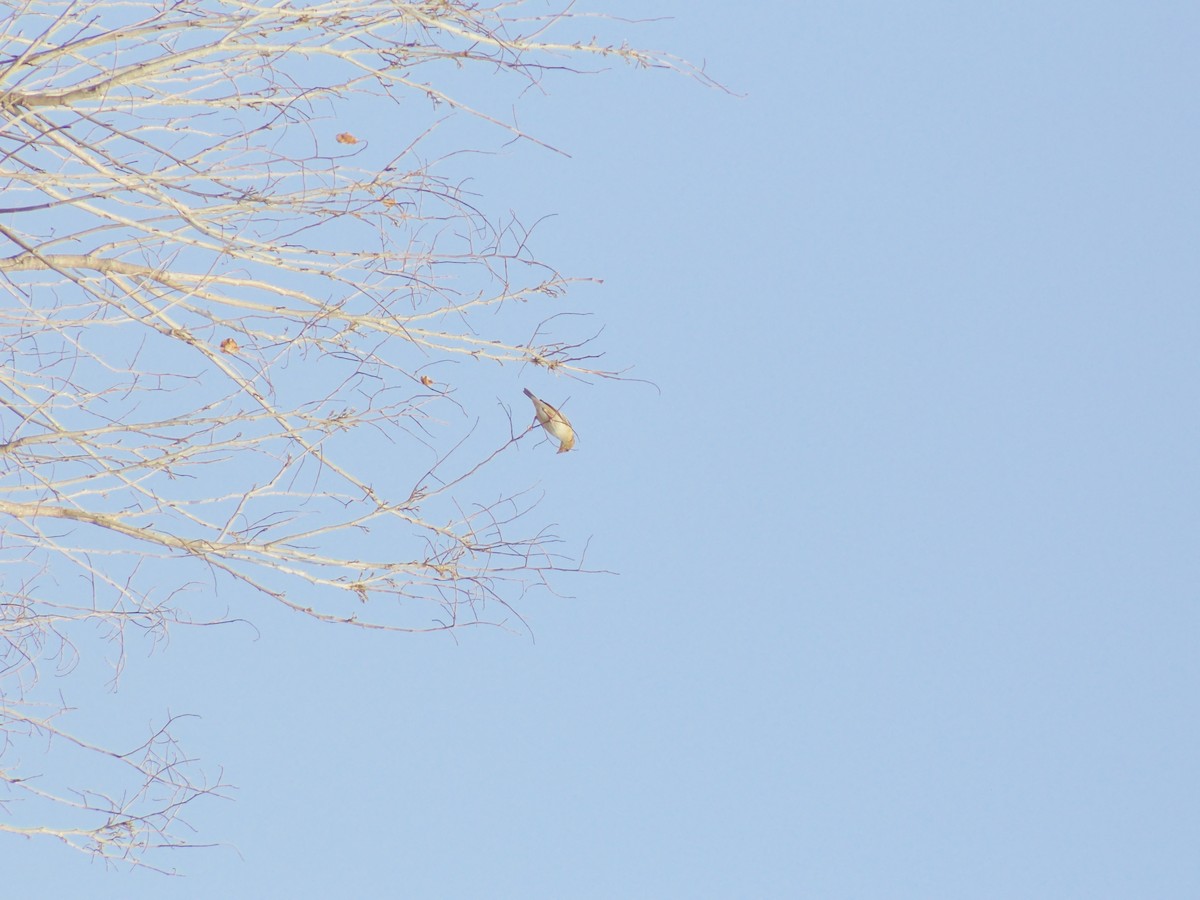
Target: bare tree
249	315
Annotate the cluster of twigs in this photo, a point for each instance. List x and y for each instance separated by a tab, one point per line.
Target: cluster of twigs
221	315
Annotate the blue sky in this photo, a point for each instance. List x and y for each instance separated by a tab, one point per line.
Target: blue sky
907	591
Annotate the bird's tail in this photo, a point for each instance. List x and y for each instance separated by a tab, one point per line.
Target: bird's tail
529	394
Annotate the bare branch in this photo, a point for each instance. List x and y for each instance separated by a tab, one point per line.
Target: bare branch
227	287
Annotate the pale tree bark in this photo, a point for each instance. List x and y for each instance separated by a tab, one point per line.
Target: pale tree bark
248	321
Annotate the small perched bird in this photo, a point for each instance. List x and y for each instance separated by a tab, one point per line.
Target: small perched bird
554	422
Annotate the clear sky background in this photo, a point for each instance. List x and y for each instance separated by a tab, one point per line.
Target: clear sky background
908	544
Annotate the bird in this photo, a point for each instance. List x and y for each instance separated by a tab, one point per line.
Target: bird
554	422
